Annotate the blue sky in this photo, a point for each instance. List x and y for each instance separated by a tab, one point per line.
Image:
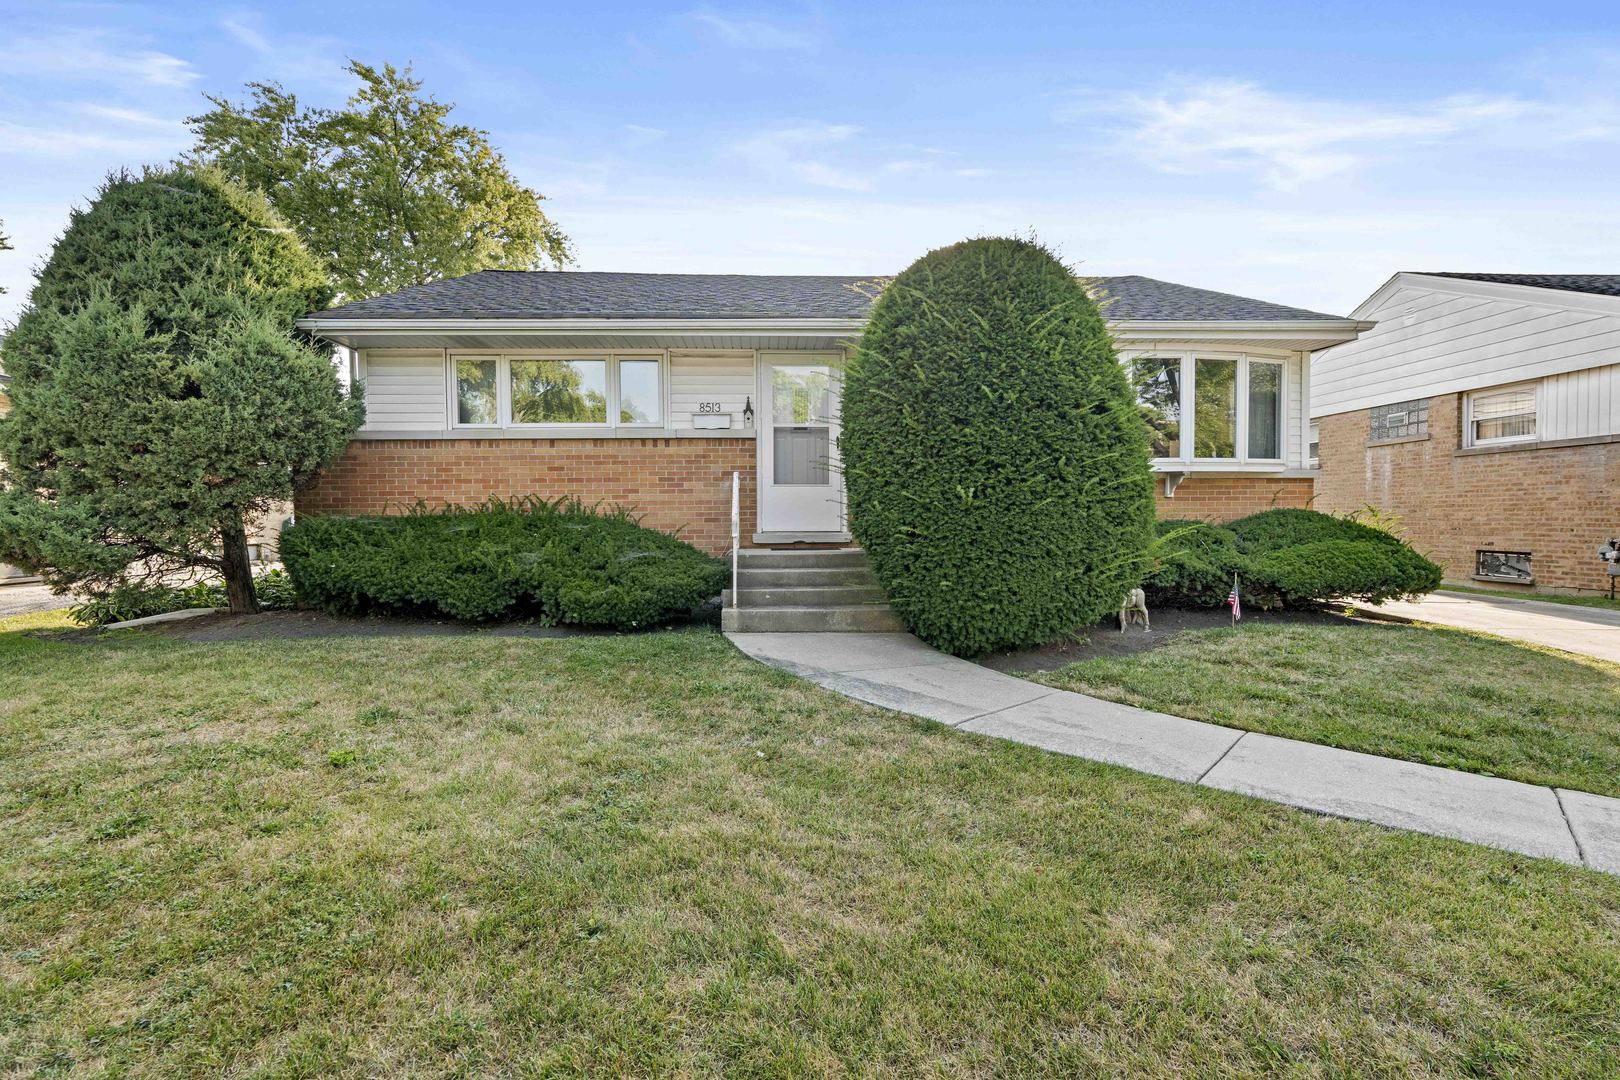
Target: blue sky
1294	152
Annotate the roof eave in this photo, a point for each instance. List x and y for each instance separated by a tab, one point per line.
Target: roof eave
1327	331
623	326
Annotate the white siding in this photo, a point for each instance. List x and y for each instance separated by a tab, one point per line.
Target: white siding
693	379
1440	336
1581	404
405	391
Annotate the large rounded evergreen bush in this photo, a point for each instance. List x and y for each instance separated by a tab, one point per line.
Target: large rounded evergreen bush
996	464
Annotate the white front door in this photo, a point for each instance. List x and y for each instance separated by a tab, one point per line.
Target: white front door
801	488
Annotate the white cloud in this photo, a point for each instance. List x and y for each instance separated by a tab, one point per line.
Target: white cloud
1226	125
83	56
641	134
754	33
298	59
796	152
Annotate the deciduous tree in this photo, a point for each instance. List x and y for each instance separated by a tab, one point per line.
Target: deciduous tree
387	191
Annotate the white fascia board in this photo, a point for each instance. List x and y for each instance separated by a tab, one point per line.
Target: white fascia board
1328	332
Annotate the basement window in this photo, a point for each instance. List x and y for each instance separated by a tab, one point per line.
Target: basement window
1511	566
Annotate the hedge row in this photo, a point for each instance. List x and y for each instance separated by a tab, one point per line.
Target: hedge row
559	562
1284	559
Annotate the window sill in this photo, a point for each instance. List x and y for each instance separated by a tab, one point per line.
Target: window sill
1536	444
1397	442
558	433
1503	580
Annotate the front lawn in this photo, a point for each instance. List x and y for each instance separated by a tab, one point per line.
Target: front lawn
1445	697
648	855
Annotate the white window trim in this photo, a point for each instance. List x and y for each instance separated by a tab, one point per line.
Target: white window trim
1189	374
1468	414
503	388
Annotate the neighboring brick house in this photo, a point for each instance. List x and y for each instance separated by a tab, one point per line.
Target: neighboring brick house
1483	411
652	390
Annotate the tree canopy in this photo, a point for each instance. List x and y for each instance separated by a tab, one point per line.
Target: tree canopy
159	398
995	460
386	191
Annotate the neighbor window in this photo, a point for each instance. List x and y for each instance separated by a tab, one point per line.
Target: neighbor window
1504	415
1157	382
1504	566
1313	453
476	403
590	391
1400	420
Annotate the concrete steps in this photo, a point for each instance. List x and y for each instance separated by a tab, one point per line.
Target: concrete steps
807	591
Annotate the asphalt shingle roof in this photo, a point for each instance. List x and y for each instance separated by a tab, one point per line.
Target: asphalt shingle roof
517	294
1601	284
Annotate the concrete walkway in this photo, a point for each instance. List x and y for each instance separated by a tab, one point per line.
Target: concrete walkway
1587	631
899	672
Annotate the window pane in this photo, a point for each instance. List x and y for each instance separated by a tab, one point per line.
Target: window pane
1315	451
1507	414
1215	408
559	391
640	401
1265	410
799	394
1158	392
475	392
800	455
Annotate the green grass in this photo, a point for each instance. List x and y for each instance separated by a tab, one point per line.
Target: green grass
1575	600
638	856
1445	697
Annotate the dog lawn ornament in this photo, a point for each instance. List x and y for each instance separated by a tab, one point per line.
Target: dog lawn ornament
1133	609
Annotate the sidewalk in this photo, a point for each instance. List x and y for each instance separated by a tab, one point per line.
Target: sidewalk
1587	631
899	672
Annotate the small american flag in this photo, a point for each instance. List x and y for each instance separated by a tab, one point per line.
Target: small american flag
1232	600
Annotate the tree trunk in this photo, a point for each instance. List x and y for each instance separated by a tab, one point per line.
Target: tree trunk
237	570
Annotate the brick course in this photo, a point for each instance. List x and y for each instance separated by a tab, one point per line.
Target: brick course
675	484
1220	499
1556	502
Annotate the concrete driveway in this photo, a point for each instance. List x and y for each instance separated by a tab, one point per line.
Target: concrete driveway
1587	631
25	599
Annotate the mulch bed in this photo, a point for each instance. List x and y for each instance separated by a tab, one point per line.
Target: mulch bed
296	625
1106	640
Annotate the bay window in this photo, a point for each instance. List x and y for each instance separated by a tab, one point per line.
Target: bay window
558	391
1210	407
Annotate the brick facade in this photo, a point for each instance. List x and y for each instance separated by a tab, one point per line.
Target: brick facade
1556	502
1220	499
675	484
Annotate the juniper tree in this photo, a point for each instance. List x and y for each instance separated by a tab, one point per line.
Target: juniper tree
161	401
995	460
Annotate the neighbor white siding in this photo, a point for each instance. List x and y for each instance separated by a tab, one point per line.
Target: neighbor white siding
405	391
1581	404
1444	335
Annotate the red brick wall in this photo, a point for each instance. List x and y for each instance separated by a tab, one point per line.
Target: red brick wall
682	484
1220	499
1558	503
